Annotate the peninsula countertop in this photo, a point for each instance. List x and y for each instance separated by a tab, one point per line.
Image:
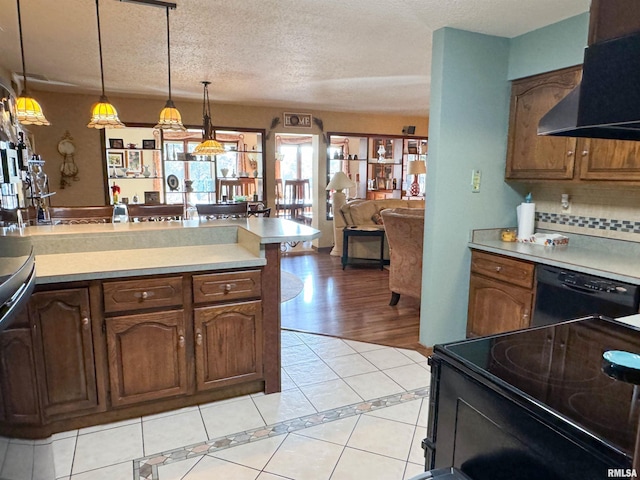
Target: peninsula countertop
96	251
608	258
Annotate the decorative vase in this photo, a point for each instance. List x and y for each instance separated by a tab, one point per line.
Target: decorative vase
146	171
224	171
255	174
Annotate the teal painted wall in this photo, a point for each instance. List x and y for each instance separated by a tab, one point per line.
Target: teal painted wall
468	130
549	48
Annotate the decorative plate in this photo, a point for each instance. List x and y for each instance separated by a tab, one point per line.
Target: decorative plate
173	182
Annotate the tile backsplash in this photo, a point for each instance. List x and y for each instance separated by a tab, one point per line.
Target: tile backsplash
605	211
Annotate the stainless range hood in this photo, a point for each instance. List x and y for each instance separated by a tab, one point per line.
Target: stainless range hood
606	104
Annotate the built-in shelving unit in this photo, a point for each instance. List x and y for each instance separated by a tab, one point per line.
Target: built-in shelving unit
376	163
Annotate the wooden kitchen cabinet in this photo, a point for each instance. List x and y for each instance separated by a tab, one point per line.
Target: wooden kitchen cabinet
228	344
530	156
147	355
609	159
19	403
533	157
500	294
64	353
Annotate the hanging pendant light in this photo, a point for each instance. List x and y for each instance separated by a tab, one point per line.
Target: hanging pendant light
208	146
170	118
28	110
103	114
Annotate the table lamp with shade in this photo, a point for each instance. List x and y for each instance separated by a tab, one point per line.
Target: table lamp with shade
415	168
339	182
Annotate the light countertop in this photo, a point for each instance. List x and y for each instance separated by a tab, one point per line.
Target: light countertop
94	251
608	258
68	267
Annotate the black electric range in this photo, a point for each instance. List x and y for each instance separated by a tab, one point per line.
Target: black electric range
534	403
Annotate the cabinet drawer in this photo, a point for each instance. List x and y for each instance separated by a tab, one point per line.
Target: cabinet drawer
142	294
221	287
516	272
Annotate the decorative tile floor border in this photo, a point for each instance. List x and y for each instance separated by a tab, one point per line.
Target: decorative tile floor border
146	468
589	222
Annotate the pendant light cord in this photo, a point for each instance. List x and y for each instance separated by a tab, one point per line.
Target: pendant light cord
206	113
100	46
168	53
24	70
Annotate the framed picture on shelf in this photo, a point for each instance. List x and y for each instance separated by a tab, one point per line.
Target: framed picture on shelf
148	144
152	198
116	143
134	161
115	159
412	148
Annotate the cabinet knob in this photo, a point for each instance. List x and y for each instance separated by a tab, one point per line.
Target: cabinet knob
498	269
144	295
585	153
570	153
85	322
181	341
227	288
199	338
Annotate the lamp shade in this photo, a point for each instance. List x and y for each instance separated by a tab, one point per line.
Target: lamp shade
170	118
340	181
416	167
29	111
103	115
208	147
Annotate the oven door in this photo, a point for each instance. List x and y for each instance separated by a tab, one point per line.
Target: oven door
17	282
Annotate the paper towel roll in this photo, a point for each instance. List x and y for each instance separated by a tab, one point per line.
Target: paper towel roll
526	220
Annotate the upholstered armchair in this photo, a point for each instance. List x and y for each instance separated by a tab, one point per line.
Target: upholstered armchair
405	231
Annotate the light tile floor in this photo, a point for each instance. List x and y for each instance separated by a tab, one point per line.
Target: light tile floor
347	411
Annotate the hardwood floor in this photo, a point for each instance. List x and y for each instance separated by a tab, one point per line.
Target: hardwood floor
351	303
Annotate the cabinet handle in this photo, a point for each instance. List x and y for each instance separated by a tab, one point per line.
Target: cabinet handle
498	269
570	153
525	317
585	153
85	323
199	338
181	341
144	295
227	288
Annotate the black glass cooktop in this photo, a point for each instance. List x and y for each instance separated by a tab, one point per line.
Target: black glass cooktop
560	366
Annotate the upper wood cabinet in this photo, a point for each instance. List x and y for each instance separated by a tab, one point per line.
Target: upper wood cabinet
533	157
528	155
609	159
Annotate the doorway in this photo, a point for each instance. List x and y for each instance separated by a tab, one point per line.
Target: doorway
294	177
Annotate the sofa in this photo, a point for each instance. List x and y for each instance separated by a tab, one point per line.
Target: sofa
365	213
405	233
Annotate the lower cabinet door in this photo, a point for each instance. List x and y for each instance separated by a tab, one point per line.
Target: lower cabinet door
147	356
18	378
496	307
63	349
228	343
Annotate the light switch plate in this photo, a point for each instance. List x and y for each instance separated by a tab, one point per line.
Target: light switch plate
475	181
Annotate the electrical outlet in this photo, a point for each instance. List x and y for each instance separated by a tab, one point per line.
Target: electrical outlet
475	181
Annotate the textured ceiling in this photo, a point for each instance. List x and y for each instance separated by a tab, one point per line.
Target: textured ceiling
340	55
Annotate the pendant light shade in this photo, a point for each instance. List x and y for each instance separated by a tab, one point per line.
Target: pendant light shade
208	146
103	114
28	110
170	118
